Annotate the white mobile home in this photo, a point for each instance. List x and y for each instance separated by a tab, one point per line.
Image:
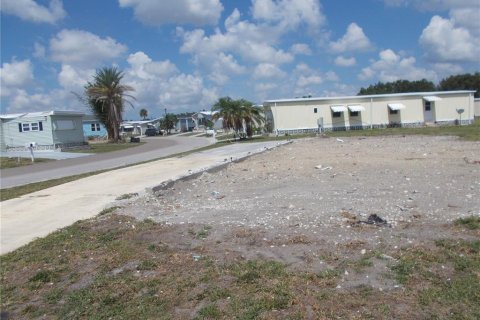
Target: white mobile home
47	130
370	111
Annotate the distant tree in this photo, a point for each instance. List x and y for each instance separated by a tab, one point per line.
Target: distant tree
228	110
238	115
168	122
106	97
399	86
251	115
461	82
144	113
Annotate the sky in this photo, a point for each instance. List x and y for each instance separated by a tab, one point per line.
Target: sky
182	55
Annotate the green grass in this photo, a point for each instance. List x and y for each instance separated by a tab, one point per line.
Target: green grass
126	196
108	147
472	222
8	162
465	132
103	268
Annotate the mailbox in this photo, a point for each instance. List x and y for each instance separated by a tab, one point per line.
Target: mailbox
30	145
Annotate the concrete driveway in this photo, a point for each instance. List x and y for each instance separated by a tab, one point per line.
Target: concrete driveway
40	213
154	148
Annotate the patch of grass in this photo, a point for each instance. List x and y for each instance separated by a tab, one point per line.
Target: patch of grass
43	276
103	268
126	196
108	210
9	162
465	132
108	147
147	265
210	311
472	222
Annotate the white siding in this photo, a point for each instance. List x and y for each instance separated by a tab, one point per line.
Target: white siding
299	114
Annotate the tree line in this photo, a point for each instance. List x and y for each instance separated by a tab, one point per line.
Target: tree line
456	82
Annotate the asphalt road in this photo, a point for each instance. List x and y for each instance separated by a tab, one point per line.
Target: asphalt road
154	148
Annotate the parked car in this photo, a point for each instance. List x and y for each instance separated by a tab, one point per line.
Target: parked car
152	132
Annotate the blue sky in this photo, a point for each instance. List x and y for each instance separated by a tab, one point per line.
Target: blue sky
184	54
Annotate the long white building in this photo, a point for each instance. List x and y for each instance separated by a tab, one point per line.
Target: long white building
370	111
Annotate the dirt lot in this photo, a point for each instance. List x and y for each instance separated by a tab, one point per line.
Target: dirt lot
295	202
281	235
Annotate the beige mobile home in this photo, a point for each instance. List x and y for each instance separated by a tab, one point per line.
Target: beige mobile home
370	111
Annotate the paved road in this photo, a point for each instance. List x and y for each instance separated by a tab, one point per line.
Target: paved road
156	147
40	213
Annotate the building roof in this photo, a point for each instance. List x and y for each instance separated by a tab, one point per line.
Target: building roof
42	113
392	95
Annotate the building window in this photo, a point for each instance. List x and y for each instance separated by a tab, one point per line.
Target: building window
30	126
25	127
354	113
315	110
336	114
428	106
95	126
64	125
393	111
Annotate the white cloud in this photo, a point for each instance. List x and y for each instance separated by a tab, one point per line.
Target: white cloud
353	40
392	66
29	10
301	48
82	48
256	42
445	42
74	79
341	61
433	5
289	14
304	81
144	68
187	92
158	84
16	73
39	50
21	101
154	12
268	70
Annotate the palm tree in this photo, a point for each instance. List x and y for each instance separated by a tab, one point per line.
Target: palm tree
143	113
228	110
251	115
239	115
168	122
107	96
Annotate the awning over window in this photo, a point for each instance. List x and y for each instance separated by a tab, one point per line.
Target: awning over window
431	98
127	126
356	108
338	108
396	106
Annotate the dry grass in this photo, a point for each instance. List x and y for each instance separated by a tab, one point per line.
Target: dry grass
117	267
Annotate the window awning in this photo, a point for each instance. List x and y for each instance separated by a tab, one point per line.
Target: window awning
338	108
431	98
127	126
396	106
356	108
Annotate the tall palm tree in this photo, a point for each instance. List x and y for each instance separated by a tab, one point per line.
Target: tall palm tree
228	111
251	115
239	115
107	96
143	113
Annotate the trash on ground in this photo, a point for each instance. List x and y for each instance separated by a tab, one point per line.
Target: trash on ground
375	220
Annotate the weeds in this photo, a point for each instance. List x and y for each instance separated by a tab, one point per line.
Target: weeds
472	222
127	196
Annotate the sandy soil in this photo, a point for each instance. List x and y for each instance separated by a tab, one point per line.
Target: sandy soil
302	203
